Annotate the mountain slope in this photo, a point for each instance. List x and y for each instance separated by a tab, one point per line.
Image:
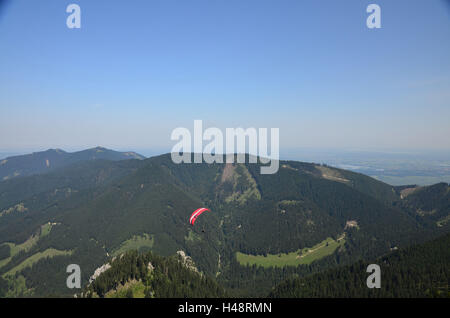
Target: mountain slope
417	271
429	204
145	204
41	162
151	276
42	197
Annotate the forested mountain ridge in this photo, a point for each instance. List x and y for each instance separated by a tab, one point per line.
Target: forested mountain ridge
45	161
429	204
96	209
45	195
147	275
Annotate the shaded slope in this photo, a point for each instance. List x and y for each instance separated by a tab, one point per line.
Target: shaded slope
417	271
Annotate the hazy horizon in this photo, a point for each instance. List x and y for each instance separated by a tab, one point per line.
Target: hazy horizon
287	152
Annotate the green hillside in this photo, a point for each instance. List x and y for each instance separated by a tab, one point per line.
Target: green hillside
104	208
417	271
138	275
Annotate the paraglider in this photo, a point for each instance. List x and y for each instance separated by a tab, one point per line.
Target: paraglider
196	214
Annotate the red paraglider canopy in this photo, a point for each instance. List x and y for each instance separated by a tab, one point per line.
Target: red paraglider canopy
196	214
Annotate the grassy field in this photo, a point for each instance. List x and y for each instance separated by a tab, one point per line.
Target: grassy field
27	245
135	288
305	256
137	242
45	229
51	252
17	287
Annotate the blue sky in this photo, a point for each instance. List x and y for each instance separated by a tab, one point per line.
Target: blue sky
138	69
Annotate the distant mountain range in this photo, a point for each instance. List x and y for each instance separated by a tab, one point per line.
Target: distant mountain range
44	161
262	229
